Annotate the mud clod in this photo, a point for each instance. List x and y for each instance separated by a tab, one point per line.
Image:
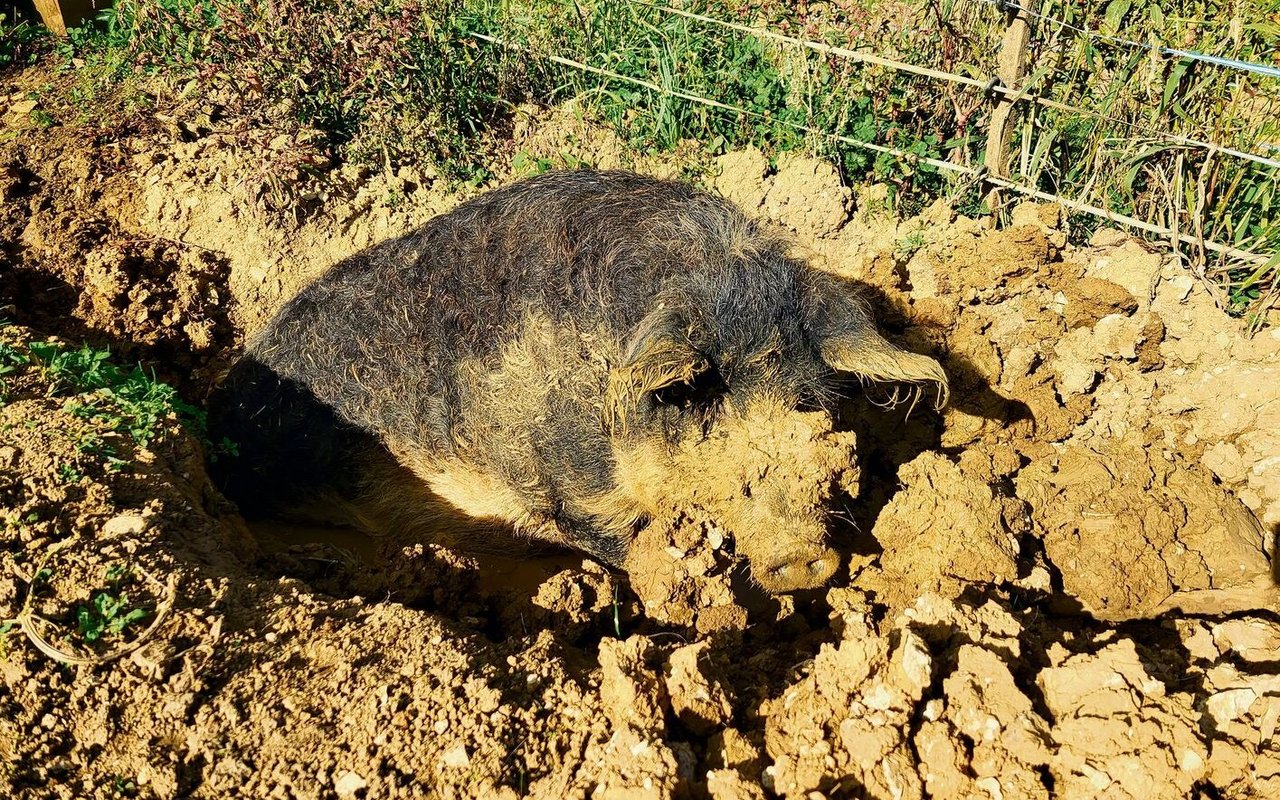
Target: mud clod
1127	530
945	530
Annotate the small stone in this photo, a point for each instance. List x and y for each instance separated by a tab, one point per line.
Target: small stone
1076	378
915	662
456	756
348	783
1108	237
124	525
1230	705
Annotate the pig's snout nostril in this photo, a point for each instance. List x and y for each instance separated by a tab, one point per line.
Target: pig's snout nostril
799	571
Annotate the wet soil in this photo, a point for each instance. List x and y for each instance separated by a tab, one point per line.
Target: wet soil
1059	586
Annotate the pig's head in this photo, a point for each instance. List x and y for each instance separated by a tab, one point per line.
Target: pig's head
720	401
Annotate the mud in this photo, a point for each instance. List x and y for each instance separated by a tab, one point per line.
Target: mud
1058	587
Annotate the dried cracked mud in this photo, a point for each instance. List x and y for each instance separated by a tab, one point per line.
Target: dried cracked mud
1060	586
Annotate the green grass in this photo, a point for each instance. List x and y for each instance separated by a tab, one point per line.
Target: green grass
782	90
124	400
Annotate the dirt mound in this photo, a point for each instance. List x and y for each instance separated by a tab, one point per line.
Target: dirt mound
945	529
1127	528
1057	587
75	271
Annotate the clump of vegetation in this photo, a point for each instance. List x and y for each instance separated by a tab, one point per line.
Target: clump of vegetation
909	245
110	611
380	82
21	42
130	401
11	360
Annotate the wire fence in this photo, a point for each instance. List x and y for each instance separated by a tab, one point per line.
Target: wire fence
1011	94
976	174
1015	95
1217	61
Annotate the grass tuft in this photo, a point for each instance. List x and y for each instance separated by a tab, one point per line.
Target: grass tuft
123	400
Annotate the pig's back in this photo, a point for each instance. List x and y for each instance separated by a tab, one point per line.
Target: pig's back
378	337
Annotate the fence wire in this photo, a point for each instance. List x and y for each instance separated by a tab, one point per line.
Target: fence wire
1014	94
1217	61
975	174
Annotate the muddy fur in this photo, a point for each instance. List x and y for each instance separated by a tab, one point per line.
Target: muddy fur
531	354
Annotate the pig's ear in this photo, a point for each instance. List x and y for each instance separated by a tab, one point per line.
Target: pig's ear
848	341
658	354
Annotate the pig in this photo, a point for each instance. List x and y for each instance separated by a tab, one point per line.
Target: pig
566	358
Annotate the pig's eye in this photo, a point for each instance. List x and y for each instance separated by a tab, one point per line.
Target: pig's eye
704	391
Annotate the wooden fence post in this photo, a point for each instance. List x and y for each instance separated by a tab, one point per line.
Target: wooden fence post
1010	66
58	15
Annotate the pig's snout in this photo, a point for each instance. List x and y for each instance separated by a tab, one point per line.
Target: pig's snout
807	568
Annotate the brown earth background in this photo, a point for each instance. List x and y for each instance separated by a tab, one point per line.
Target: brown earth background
1060	586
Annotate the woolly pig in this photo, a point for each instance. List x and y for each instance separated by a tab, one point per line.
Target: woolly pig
565	357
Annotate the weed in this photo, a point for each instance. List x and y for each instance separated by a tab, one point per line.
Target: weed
525	164
21	42
80	370
42	118
109	612
128	401
386	82
11	361
11	357
907	246
69	473
92	443
107	615
225	447
124	787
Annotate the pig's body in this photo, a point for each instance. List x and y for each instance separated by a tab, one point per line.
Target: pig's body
553	357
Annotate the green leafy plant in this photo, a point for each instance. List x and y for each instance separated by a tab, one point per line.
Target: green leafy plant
69	473
907	246
107	615
128	401
109	612
11	361
21	42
